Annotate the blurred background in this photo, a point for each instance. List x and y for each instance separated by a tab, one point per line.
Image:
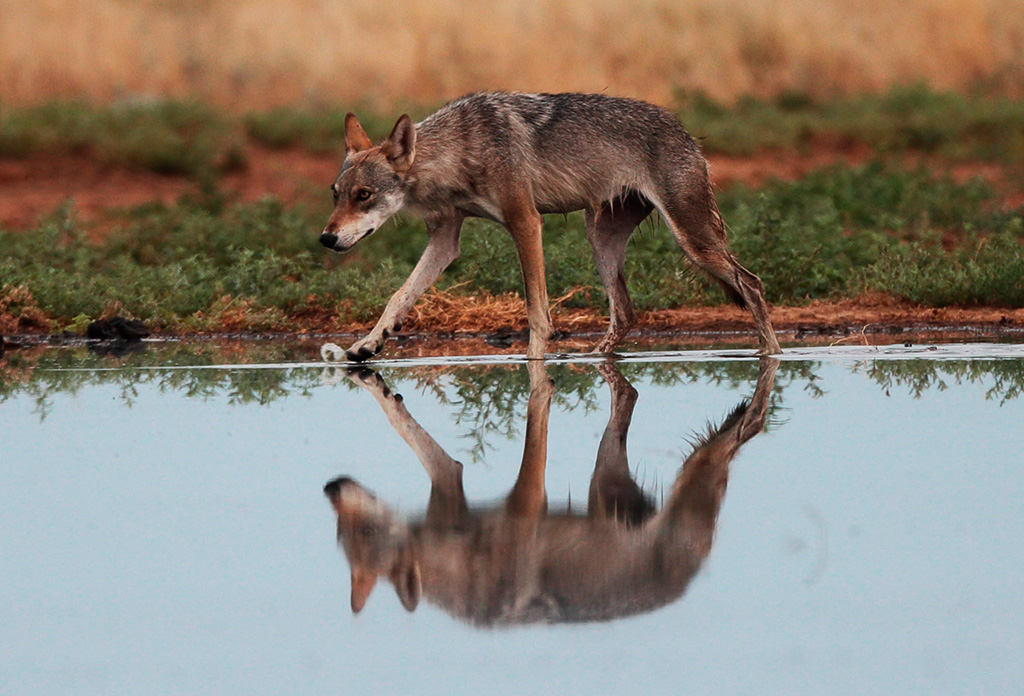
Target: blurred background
256	54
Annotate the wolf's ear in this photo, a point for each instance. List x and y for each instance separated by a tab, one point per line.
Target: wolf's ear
408	585
356	139
362	585
400	147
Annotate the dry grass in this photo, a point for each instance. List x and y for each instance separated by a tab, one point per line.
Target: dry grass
440	308
20	313
262	53
484	312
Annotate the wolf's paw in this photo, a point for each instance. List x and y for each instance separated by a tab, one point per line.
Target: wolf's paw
369	379
362	352
330	352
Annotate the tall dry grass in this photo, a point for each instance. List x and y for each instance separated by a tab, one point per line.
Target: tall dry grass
263	53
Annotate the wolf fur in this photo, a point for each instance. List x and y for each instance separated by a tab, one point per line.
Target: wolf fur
512	158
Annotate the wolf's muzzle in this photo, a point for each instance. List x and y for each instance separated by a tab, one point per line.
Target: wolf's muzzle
334	486
328	240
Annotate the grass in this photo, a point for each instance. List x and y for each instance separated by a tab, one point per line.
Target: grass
259	54
164	136
204	265
839	231
951	125
193	139
320	129
984	270
910	118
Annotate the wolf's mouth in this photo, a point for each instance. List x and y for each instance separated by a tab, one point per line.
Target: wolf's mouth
331	240
364	235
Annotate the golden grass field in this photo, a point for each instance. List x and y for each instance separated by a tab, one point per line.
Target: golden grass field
264	53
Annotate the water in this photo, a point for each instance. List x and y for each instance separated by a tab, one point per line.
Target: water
163	528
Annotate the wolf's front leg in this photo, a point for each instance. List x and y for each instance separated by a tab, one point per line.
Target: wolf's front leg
447	500
442	249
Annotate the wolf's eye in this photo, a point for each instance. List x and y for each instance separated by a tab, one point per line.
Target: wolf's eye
334	192
367	531
363	194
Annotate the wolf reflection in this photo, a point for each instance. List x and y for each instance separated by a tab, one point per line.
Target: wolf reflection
515	563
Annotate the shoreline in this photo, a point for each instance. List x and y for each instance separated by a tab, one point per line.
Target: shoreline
866	321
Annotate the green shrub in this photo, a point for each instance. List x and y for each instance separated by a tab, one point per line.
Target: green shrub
982	271
833	234
912	117
166	136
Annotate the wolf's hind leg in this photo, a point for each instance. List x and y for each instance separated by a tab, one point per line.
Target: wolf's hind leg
692	215
614	493
608	231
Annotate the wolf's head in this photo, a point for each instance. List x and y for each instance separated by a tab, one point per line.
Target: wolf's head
369	189
376	542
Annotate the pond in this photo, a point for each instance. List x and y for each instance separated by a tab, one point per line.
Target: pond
848	521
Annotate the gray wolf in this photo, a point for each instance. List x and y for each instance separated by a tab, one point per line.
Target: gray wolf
516	563
511	158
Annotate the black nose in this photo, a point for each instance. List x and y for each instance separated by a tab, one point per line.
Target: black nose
328	240
333	487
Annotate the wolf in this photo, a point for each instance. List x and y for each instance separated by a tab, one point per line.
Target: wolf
516	563
512	158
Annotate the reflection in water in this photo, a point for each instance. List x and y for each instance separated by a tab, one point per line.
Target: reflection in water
211	371
515	563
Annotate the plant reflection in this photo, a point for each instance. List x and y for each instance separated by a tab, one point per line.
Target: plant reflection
516	563
487	397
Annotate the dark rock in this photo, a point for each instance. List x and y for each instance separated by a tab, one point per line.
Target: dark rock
130	329
117	329
100	330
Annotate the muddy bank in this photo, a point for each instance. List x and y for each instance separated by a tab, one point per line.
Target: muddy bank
468	330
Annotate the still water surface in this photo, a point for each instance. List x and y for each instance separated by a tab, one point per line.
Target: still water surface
164	528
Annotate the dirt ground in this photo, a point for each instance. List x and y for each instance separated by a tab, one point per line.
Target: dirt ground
32	188
865	321
442	325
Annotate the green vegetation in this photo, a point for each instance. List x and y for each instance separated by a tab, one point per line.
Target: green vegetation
205	265
168	137
914	118
192	267
319	130
842	231
192	139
